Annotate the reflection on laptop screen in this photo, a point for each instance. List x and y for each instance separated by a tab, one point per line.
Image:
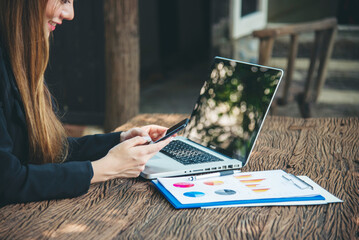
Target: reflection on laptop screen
231	107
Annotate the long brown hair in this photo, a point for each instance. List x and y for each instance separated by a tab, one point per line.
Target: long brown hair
23	36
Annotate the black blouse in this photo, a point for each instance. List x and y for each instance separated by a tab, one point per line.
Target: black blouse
23	182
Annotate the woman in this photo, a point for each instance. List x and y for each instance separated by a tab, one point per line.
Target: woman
37	161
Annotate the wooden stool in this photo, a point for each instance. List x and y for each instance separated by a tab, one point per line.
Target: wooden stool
325	31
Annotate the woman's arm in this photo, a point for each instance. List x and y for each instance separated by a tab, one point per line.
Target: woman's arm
120	155
92	147
26	183
126	160
21	183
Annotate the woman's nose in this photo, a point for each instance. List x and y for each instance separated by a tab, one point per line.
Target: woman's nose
68	12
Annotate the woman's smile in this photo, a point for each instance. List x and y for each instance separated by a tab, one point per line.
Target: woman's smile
52	26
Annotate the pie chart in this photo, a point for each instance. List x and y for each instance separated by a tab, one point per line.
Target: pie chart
225	192
183	185
194	194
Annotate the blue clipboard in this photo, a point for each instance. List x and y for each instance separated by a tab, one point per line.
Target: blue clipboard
179	205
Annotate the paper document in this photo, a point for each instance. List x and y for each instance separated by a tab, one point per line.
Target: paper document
262	188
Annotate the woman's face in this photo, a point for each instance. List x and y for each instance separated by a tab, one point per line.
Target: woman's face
56	11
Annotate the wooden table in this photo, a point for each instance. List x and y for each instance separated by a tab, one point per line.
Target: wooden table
326	150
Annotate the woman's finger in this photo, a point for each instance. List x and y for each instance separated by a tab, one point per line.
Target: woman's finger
133	133
135	141
138	132
152	149
152	129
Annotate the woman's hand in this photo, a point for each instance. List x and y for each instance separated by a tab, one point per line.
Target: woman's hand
155	132
128	159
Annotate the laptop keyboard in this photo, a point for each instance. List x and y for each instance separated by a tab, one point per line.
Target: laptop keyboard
187	154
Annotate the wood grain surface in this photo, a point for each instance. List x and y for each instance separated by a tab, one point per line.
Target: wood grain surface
326	150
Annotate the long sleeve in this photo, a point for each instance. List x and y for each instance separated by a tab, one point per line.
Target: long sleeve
28	182
92	147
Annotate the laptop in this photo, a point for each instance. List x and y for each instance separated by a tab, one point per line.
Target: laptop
224	124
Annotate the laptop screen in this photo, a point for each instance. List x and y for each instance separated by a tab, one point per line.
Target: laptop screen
231	107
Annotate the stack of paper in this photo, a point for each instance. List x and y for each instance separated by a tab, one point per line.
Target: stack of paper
264	188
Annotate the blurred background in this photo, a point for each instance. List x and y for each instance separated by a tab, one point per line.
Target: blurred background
176	42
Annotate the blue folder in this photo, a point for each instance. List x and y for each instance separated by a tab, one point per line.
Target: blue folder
179	205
